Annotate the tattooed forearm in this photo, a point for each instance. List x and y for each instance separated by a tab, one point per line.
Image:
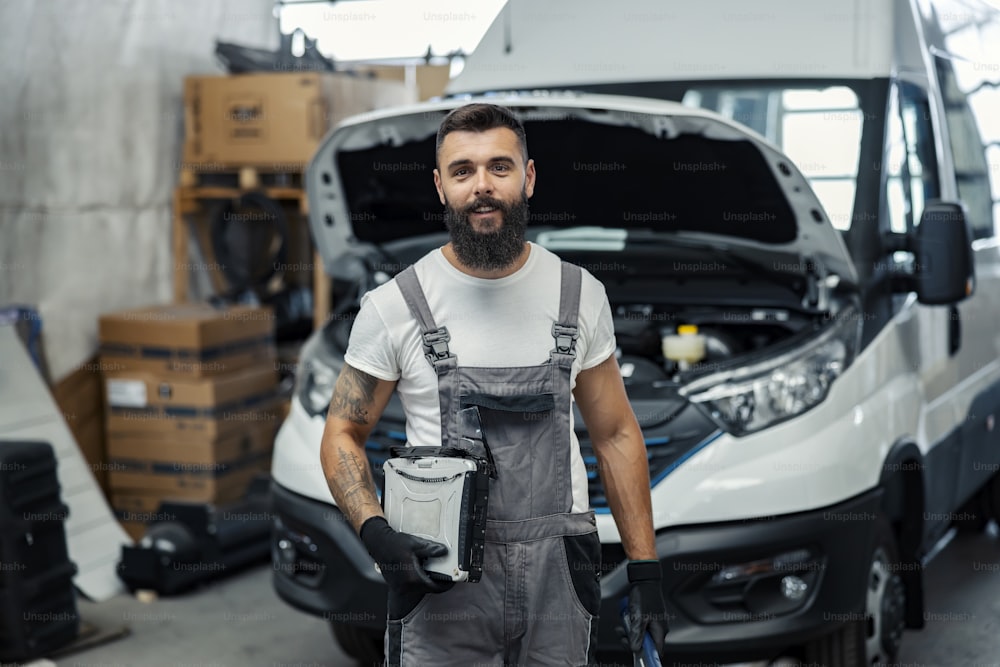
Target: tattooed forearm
357	403
353	488
353	395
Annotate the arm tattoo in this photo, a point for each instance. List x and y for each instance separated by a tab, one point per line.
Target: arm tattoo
353	394
354	488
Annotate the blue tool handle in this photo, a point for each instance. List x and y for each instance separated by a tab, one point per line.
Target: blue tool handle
647	655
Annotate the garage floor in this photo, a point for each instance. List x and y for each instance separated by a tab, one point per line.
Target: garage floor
240	621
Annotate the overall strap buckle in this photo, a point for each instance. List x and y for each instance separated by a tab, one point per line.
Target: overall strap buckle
565	338
436	344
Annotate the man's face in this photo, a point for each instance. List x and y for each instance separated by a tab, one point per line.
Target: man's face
484	184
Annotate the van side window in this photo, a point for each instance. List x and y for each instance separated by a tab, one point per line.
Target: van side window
910	161
972	106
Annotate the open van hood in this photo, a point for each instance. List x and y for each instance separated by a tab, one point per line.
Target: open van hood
629	166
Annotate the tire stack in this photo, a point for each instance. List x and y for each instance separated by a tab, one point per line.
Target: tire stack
37	600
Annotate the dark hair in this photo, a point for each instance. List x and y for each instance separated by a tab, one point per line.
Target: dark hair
480	118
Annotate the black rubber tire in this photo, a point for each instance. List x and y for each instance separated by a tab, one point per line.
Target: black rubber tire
363	645
250	253
855	643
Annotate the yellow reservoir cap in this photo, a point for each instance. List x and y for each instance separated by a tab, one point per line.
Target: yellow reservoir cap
687	329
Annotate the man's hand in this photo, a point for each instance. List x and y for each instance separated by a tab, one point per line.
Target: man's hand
646	608
400	557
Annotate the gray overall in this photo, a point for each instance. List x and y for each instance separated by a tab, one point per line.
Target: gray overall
539	595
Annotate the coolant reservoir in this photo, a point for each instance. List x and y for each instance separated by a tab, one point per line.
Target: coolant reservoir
686	347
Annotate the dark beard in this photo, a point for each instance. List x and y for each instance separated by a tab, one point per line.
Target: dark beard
490	251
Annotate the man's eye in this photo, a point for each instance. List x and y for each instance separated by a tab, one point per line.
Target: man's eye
501	167
461	172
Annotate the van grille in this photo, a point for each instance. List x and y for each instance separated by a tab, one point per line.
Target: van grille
662	452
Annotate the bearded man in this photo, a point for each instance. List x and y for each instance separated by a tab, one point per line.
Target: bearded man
495	321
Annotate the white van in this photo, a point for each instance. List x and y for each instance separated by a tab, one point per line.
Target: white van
834	241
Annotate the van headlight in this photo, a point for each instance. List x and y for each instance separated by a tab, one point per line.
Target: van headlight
773	390
319	366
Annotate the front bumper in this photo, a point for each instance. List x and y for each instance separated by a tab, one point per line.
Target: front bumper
331	575
843	535
320	565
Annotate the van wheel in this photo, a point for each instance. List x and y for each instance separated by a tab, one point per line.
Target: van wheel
873	640
363	645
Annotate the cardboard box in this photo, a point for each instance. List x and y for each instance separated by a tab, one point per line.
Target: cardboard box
180	469
135	510
193	487
138	506
144	506
133	529
431	80
274	120
197	408
80	396
190	339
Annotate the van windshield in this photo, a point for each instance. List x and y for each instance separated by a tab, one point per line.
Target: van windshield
818	127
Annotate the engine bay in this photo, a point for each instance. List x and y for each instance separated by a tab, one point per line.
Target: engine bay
679	311
722	334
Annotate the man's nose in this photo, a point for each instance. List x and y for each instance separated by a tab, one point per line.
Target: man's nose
483	184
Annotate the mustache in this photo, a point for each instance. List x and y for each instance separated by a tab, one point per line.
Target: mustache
486	201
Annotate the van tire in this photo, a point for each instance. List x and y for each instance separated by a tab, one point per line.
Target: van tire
363	645
874	639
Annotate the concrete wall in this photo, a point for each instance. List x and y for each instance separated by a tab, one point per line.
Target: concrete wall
91	122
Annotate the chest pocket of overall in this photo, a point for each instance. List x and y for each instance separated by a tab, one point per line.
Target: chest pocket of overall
524	412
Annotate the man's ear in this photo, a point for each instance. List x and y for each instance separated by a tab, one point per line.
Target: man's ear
437	186
529	179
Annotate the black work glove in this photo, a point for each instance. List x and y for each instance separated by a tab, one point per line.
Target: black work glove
647	611
400	557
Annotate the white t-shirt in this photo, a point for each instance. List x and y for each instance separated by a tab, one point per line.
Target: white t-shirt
493	323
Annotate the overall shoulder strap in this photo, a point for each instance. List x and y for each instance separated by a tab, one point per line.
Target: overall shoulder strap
435	338
565	331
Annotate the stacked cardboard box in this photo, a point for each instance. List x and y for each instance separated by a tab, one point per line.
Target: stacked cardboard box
275	120
431	80
192	404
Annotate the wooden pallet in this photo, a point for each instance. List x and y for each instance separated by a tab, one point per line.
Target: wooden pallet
247	177
192	199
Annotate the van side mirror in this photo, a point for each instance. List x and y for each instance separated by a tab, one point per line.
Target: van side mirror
945	273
